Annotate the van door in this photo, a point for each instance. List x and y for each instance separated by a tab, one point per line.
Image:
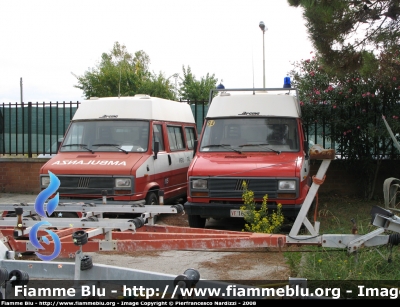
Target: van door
161	164
177	162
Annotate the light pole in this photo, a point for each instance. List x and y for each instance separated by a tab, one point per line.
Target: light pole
263	29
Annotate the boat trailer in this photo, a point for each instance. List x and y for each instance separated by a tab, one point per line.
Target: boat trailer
142	234
120	235
93	233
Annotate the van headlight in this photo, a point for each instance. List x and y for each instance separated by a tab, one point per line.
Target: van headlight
44	181
123	183
199	184
287	185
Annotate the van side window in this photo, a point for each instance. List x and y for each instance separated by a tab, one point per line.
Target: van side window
175	137
158	136
190	137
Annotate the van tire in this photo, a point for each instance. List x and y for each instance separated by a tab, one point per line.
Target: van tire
195	221
152	199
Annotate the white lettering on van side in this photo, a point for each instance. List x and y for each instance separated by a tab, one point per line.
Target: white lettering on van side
114	162
90	162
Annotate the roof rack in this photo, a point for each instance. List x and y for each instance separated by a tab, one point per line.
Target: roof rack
254	90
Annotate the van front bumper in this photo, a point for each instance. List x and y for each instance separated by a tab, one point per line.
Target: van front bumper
218	210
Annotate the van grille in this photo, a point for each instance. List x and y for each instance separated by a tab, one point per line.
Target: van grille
83	182
85	185
232	187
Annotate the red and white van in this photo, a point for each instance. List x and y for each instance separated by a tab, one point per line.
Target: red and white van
251	135
128	148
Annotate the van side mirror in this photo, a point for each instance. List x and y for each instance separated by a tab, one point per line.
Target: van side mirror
306	149
195	144
156	149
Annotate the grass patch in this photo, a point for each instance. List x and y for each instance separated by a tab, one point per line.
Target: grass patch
369	263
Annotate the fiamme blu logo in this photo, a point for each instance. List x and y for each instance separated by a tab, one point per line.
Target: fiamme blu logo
41	210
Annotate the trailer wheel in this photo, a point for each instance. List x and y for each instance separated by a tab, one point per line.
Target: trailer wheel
193	275
80	237
21	278
195	221
152	199
86	263
182	279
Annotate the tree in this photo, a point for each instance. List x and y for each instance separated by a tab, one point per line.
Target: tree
120	73
196	90
350	107
159	86
345	32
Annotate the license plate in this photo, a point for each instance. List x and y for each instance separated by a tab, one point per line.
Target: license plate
236	213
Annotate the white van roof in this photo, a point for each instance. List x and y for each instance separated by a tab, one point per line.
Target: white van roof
262	104
136	107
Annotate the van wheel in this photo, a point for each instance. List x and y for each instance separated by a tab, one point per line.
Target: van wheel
152	199
195	221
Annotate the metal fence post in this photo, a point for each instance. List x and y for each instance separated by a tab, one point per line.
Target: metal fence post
29	130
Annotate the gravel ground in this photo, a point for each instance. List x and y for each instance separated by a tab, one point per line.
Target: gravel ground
251	264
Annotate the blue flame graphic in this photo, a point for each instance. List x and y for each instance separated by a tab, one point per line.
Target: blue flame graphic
45	194
35	242
39	208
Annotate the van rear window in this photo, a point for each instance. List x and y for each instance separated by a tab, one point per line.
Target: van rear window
175	137
190	137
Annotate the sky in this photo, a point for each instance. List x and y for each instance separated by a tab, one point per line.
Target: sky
47	42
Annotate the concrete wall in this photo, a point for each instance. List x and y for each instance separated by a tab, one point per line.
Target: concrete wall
19	175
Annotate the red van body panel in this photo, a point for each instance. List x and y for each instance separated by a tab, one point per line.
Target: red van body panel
255	137
247	164
126	149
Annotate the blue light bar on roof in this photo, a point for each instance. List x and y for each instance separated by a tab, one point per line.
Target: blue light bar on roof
286	82
220	86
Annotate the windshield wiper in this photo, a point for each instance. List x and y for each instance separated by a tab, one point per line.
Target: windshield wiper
261	145
112	145
223	145
81	145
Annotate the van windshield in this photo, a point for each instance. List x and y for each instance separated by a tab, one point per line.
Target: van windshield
107	135
250	134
